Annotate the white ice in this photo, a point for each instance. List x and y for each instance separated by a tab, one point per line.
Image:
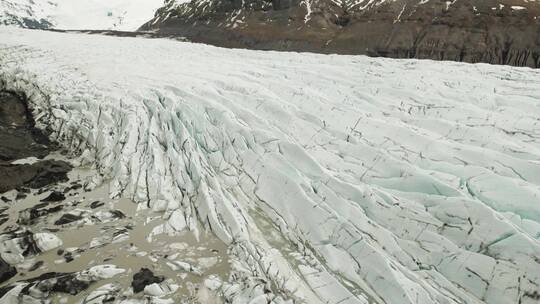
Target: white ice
334	179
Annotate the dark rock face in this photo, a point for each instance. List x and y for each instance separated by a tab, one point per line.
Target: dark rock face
40	289
36	266
51	282
117	214
28	216
31	23
144	278
25	241
6	271
498	32
68	283
96	204
20	139
25	13
34	176
74	186
68	218
40	24
55	196
3	216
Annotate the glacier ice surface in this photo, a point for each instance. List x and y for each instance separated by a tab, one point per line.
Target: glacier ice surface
333	179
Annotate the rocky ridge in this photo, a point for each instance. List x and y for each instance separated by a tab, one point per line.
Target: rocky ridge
26	13
492	31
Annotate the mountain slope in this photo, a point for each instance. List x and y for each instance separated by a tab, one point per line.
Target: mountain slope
26	13
76	15
493	31
333	179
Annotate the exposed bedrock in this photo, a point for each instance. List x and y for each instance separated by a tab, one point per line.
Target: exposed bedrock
34	176
20	139
6	271
498	32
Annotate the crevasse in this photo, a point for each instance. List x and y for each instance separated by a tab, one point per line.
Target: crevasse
334	179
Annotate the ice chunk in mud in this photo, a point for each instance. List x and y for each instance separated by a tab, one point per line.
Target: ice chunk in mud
47	241
104	294
213	282
67	218
55	196
184	266
101	272
18	244
30	215
113	235
144	278
41	288
161	289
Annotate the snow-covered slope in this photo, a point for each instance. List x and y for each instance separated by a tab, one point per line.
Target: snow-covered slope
334	179
99	14
26	13
87	15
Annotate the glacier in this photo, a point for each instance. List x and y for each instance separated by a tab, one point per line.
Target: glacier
331	178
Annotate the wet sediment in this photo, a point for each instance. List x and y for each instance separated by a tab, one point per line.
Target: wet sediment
22	149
